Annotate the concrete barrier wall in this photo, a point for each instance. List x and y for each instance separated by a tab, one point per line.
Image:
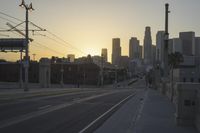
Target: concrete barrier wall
187	101
197	120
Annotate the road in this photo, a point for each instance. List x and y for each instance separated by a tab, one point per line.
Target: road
66	113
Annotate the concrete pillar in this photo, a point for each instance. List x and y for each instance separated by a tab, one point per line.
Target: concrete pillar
45	73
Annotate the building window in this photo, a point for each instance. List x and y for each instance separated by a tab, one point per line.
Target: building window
191	80
184	79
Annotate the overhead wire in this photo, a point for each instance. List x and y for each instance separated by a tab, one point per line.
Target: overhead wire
64	43
10	16
48	48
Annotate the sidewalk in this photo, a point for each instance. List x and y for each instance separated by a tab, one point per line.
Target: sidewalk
154	114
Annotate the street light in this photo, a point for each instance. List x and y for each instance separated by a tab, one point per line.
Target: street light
166	41
26	64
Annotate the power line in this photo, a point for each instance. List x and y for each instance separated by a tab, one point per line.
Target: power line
22	26
62	41
47	48
11	16
65	42
8	20
56	41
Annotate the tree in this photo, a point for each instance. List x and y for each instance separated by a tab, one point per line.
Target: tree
174	59
89	59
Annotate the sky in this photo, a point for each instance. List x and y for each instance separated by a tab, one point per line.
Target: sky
87	26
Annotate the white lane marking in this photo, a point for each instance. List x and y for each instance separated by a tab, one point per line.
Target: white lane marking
138	113
22	118
141	106
44	107
112	108
44	97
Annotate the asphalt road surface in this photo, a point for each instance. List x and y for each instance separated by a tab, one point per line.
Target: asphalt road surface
79	111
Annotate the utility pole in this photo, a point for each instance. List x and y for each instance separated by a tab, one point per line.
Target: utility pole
166	41
165	78
26	64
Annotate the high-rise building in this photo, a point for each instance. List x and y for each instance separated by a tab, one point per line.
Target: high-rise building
104	54
147	46
160	46
188	42
140	52
71	57
133	48
116	51
153	55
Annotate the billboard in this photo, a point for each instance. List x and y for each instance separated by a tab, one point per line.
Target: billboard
12	44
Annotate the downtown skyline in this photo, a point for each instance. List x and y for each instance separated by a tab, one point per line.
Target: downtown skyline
91	25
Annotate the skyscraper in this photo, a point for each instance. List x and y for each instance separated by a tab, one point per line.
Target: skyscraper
160	46
147	46
140	52
116	51
133	48
104	54
153	54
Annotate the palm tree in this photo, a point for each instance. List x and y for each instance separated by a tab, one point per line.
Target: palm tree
174	59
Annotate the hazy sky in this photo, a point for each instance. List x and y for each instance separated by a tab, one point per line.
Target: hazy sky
90	25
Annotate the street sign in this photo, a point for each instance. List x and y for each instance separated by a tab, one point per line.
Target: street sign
12	44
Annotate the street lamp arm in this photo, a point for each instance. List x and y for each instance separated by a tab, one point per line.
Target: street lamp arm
31	7
22	4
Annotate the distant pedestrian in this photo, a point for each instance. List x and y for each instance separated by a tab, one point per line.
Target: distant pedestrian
150	82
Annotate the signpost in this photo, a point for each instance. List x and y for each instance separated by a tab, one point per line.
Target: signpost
12	44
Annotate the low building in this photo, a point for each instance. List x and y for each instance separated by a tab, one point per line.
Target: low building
188	71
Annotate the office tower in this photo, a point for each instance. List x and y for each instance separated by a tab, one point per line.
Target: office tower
188	42
104	54
153	54
147	46
133	48
160	46
116	51
140	52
